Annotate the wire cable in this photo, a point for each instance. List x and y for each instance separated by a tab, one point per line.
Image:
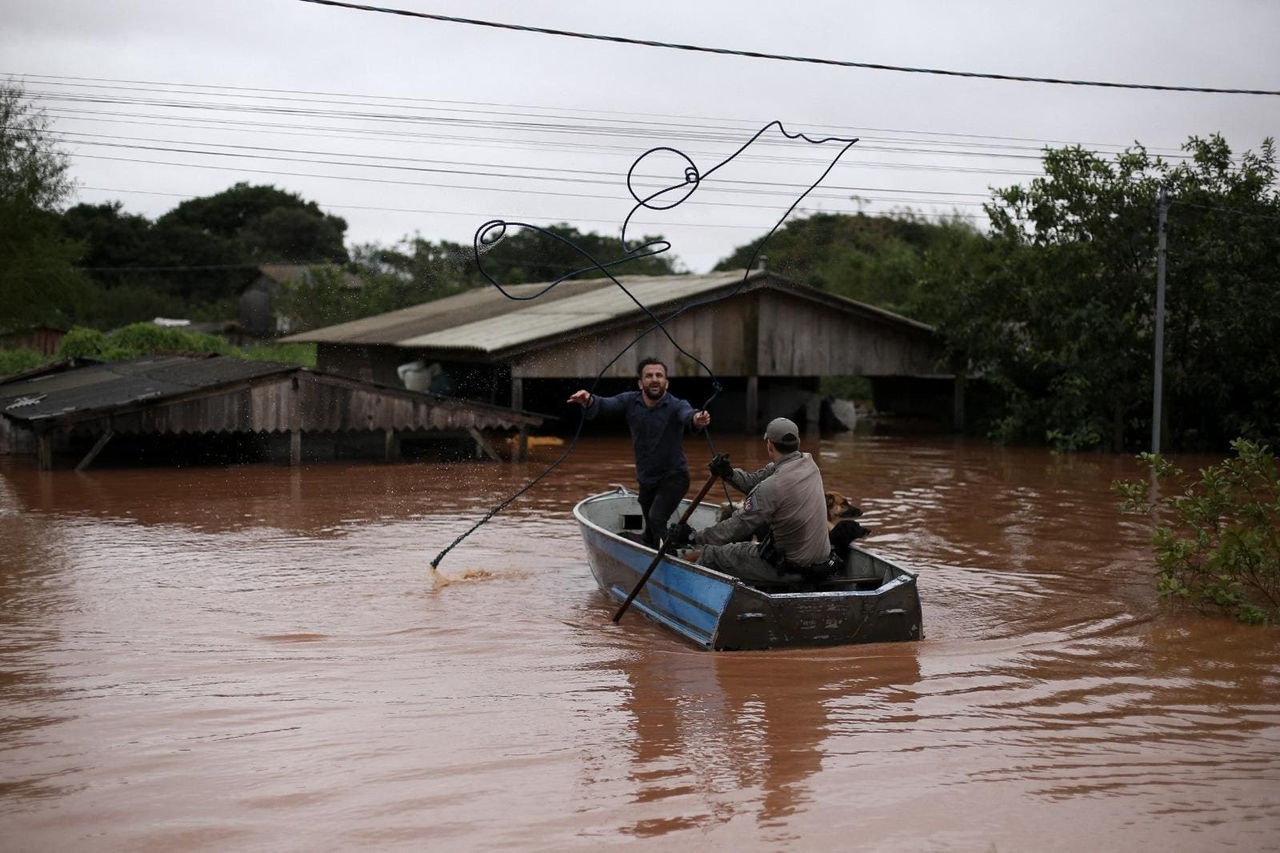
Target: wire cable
751	54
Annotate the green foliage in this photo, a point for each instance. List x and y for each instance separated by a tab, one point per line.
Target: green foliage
265	224
846	387
1062	318
17	360
83	343
416	270
894	262
38	281
323	297
194	261
1217	543
33	172
137	340
304	354
528	255
112	238
141	339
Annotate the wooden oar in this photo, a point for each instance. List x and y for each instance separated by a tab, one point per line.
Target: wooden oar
662	549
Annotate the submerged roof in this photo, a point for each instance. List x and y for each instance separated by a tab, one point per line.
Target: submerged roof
488	320
68	393
69	388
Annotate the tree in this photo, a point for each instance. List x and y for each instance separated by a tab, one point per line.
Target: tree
1063	323
296	235
533	255
880	260
212	245
113	239
38	281
416	270
267	225
322	297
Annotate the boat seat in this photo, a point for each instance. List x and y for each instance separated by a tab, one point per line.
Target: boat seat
785	583
850	583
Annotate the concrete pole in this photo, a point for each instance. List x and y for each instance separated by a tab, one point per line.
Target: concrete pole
1162	210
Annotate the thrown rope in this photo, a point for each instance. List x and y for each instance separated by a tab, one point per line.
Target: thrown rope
492	232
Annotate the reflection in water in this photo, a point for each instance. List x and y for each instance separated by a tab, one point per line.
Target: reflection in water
261	658
720	736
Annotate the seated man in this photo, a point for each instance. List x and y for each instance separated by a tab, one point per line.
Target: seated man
786	498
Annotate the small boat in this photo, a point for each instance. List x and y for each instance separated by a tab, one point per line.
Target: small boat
870	601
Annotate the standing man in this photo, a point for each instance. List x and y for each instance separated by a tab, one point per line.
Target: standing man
657	421
786	506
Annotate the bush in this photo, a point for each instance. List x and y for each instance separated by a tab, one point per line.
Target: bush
17	360
304	354
141	339
137	340
1217	541
82	343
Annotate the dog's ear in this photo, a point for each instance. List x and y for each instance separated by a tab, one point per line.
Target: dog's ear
831	499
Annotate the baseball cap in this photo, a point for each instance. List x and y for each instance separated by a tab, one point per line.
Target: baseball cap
782	431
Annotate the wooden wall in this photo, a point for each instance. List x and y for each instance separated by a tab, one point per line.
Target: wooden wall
763	333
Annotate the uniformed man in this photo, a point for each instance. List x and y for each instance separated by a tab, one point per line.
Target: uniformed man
785	506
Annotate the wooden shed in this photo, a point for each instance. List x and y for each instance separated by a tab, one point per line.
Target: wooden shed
267	410
757	341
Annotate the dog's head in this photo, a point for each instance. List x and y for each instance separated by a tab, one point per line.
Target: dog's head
839	508
844	533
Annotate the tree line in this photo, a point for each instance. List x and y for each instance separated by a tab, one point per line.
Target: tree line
1051	311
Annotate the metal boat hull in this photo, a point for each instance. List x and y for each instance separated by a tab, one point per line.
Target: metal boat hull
873	601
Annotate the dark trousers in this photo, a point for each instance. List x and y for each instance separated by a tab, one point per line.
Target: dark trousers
658	502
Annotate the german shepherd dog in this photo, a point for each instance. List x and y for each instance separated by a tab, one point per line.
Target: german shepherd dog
841	526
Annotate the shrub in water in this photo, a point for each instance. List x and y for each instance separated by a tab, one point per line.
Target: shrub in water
1217	540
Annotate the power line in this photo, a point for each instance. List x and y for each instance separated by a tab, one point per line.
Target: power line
783	58
519	191
665	122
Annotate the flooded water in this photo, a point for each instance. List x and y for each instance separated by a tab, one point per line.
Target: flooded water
258	658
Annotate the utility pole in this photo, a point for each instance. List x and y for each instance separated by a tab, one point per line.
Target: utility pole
1162	211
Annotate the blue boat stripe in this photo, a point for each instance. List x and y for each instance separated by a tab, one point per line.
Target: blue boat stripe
680	626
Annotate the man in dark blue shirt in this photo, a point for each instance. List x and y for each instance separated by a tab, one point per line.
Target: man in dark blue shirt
657	421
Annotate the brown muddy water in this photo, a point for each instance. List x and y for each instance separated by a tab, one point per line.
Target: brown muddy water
258	658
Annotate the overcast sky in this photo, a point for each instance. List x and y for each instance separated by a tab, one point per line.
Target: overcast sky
406	126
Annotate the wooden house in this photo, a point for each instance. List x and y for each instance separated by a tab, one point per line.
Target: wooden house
170	407
756	342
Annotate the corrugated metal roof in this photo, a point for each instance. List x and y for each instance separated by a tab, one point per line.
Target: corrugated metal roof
120	383
460	309
79	394
535	320
486	321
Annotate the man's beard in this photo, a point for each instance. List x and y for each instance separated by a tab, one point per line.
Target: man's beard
654	392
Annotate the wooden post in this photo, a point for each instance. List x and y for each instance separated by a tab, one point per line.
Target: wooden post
517	403
482	444
44	452
295	423
97	448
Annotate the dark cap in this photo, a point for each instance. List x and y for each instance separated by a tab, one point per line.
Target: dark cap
782	431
